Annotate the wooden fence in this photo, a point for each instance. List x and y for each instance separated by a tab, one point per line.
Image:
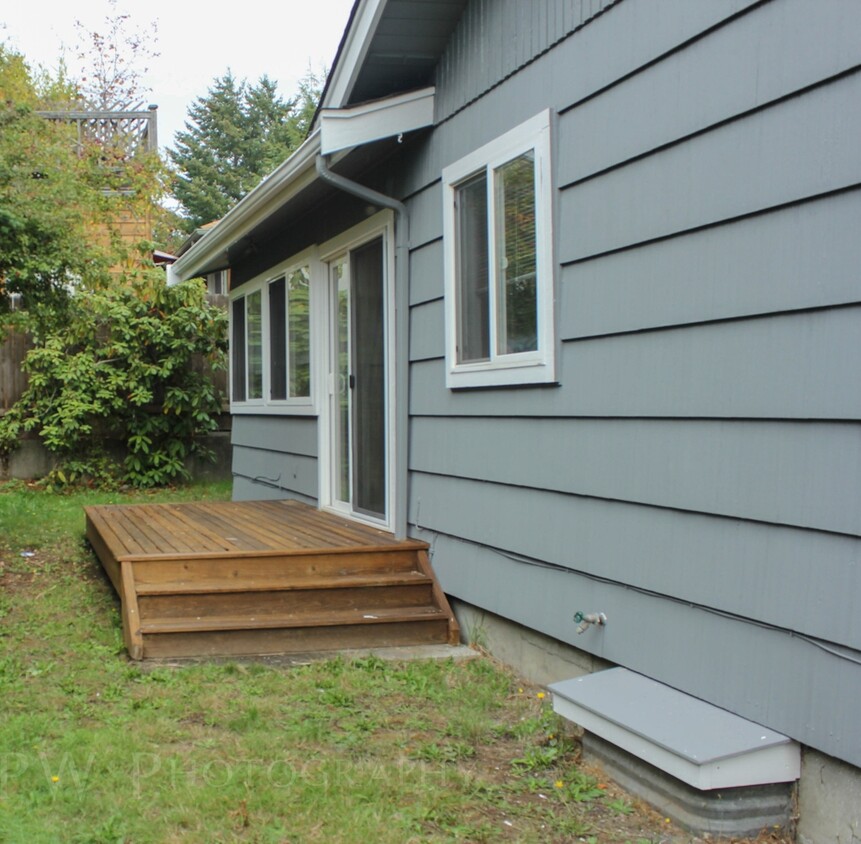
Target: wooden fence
13	381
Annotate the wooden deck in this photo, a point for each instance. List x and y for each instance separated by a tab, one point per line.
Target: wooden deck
263	577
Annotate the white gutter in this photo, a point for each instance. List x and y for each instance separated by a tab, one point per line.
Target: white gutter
295	174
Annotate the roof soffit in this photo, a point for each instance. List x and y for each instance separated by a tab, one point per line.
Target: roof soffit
390	46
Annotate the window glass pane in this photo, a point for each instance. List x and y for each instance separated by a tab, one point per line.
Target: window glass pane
473	330
237	342
299	320
517	322
342	396
277	340
368	368
254	331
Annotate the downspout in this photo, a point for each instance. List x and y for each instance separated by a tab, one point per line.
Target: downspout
402	326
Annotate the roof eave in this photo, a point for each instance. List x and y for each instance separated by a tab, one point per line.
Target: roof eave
361	27
285	181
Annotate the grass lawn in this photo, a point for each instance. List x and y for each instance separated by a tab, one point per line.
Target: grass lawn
95	748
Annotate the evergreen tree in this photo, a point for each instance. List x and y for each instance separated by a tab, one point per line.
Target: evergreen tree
234	136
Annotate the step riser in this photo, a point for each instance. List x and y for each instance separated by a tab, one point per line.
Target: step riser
275	567
296	640
293	602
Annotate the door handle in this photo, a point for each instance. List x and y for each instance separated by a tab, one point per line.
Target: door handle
352	382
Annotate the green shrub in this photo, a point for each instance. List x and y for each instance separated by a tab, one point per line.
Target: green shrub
129	365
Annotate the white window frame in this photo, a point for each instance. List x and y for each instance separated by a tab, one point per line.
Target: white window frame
533	367
300	405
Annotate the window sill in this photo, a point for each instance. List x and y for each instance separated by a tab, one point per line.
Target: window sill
497	374
274	409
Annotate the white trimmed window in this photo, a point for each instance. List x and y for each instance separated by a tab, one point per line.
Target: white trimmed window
270	340
498	261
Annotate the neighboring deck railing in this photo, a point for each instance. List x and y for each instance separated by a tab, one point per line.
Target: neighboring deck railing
131	131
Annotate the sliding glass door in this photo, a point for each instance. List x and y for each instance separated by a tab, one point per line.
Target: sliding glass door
359	407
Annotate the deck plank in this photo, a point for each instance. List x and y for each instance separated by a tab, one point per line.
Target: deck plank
352	532
231	527
189	534
273	527
208	539
149	541
321	528
158	518
114	541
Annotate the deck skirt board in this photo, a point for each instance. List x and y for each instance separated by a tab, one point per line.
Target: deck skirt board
264	577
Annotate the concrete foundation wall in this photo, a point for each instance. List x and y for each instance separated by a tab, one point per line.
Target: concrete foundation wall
536	657
31	461
829	801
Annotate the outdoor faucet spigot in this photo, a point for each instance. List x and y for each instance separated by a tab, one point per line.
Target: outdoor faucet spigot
584	620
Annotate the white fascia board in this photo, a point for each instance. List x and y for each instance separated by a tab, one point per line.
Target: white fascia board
356	44
296	173
351	127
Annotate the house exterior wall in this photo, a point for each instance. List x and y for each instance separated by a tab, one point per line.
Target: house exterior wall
274	457
695	472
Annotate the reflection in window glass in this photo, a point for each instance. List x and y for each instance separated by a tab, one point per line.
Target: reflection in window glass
517	323
342	397
254	330
473	330
238	350
277	341
299	332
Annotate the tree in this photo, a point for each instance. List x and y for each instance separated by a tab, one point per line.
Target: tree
116	354
234	136
63	196
116	60
49	196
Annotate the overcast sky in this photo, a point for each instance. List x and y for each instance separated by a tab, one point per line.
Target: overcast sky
197	42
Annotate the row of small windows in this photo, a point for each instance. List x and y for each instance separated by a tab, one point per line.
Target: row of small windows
271	340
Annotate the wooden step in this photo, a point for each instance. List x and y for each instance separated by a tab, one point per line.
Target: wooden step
363	616
285	582
298	640
416	592
275	566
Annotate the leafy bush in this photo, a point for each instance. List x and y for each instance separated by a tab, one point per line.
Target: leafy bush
128	365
